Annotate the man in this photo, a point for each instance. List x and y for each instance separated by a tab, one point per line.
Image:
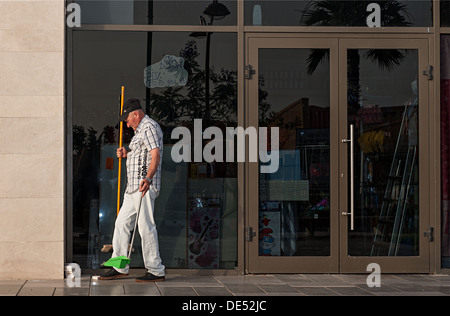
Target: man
143	180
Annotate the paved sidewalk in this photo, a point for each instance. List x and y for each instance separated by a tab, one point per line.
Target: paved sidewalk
245	285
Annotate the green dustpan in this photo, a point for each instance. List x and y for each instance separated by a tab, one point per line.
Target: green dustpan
117	262
121	261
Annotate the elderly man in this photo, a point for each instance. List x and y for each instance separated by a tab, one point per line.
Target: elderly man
143	176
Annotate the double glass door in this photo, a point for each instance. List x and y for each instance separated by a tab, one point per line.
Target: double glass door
347	121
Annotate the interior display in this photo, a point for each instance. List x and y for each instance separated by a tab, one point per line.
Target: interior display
270	230
204	232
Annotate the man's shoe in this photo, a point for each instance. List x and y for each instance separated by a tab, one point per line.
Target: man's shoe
148	277
112	274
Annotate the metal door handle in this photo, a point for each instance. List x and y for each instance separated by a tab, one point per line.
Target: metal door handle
352	178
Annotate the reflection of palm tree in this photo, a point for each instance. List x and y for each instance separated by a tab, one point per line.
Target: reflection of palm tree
353	13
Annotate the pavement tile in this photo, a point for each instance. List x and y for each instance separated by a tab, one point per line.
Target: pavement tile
145	289
212	291
9	290
294	279
177	291
327	280
45	283
384	288
353	278
409	287
443	289
107	290
278	289
401	293
316	291
249	294
350	291
76	291
245	288
247	279
36	291
12	282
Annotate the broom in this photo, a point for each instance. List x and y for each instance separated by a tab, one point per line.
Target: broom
108	247
120	145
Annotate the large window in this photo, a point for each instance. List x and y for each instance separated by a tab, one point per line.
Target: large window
154	12
398	13
196	210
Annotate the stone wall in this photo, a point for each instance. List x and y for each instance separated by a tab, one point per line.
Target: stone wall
32	139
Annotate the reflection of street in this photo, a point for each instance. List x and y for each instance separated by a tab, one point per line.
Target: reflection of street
295	198
176	95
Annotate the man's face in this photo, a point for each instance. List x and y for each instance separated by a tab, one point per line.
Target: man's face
133	120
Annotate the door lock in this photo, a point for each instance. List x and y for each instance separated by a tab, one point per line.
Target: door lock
429	234
249	233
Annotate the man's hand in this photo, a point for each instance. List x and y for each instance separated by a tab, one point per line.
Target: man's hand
144	186
121	152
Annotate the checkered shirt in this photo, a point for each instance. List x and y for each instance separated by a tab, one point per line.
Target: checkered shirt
147	136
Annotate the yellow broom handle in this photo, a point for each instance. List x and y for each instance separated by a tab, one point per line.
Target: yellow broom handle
120	145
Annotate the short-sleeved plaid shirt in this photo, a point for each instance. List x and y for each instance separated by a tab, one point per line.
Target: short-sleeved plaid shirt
147	136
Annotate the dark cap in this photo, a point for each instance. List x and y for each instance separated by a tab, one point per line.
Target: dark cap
131	105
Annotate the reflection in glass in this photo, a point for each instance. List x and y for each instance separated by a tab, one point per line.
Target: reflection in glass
152	12
383	106
196	210
294	202
445	149
336	13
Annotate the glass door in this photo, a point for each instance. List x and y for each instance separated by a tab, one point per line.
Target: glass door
383	111
344	137
292	225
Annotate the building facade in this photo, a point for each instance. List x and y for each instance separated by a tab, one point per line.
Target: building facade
299	136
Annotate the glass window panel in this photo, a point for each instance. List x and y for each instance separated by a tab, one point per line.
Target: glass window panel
336	13
445	148
196	210
383	106
154	12
294	95
445	13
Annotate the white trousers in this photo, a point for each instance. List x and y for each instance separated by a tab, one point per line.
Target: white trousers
147	230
